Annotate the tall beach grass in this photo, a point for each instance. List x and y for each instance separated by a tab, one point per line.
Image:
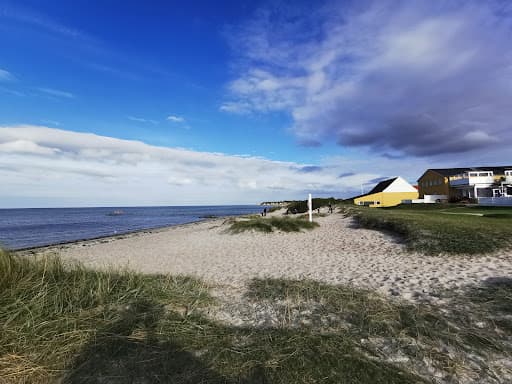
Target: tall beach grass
267	225
68	324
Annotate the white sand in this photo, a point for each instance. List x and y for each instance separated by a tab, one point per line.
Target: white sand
334	253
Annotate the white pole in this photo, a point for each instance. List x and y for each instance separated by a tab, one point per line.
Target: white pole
310	206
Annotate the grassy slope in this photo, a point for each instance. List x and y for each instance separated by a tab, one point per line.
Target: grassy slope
441	229
75	325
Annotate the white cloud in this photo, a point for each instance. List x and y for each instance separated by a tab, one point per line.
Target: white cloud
26	147
423	78
24	15
142	120
176	119
6	75
56	93
45	164
12	92
235	107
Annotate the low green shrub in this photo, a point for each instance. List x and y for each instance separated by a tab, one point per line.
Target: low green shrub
302	206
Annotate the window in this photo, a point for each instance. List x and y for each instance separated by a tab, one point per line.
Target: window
473	174
485	174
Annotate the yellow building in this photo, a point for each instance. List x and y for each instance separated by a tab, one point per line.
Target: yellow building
437	181
388	193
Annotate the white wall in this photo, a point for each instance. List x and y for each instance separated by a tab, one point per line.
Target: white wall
433	198
400	185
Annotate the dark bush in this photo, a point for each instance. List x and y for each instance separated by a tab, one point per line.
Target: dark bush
301	206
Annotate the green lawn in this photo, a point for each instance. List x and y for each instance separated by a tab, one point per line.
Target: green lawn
498	212
74	325
436	228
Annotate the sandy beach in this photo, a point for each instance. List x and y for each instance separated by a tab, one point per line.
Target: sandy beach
336	252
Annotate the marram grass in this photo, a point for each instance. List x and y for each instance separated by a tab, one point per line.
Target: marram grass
50	312
68	324
271	224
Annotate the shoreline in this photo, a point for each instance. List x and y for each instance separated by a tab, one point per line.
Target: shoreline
118	236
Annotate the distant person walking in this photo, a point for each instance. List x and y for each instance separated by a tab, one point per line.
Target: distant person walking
264	213
330	208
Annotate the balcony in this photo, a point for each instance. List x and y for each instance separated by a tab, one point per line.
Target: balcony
472	178
508	177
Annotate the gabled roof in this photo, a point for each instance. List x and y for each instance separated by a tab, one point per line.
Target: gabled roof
446	171
380	187
396	184
457	171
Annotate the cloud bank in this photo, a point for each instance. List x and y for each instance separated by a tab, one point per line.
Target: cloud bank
52	167
422	78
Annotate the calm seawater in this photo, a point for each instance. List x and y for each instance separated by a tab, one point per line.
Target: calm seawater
34	227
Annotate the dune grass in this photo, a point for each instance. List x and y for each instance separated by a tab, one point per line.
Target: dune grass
453	344
270	224
73	325
69	324
435	229
50	313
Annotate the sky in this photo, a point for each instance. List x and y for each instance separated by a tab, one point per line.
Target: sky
237	102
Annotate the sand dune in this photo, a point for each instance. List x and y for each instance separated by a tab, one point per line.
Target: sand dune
336	252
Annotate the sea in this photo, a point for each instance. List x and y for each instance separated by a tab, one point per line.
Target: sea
36	227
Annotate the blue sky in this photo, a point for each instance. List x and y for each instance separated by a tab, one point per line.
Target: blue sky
278	98
122	70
